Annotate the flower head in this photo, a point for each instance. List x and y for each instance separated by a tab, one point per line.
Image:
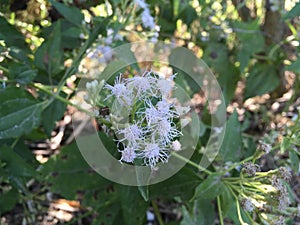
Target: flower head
131	133
128	155
121	92
247	204
153	153
251	168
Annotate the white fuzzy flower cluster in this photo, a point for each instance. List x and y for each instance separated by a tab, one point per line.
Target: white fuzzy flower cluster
152	132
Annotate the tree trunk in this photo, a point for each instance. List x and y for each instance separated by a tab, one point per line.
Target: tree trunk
243	11
273	29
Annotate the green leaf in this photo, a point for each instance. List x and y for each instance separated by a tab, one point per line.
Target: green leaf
135	211
227	199
248	45
262	79
15	166
11	36
19	54
188	14
285	144
228	81
294	161
68	173
49	55
176	185
21	73
51	114
8	200
216	56
294	12
72	14
70	34
294	67
210	188
106	203
202	213
232	143
19	114
229	207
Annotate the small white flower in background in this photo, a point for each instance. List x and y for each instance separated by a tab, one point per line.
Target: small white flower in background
111	37
93	88
251	168
101	53
150	131
141	3
148	20
264	147
280	221
285	174
247	205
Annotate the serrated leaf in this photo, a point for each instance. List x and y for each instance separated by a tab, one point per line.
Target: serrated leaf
232	143
72	14
262	79
19	114
210	188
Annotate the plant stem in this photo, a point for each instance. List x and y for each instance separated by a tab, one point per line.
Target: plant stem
239	213
191	163
58	97
220	211
4	69
157	213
